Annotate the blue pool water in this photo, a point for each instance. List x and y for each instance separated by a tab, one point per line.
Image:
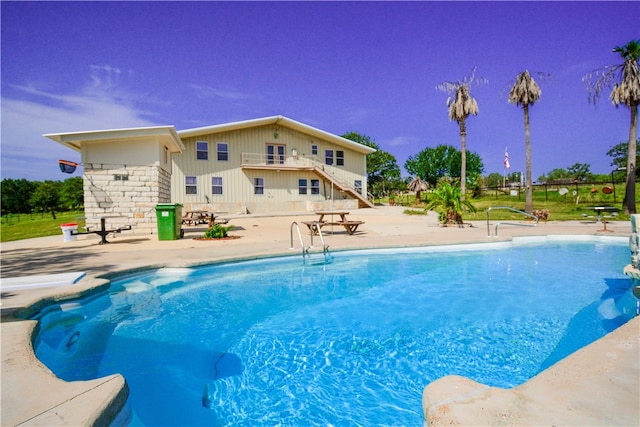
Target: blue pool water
354	342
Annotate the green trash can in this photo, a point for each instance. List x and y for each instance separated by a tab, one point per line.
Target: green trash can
169	216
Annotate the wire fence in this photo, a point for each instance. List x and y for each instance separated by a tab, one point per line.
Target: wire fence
606	193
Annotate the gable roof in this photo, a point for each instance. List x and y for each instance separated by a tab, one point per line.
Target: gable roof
74	140
280	121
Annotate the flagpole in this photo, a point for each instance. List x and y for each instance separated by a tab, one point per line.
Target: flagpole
506	166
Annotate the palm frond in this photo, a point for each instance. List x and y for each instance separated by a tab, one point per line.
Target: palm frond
471	80
525	90
623	79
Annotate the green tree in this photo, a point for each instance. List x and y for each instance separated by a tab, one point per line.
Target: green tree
447	198
461	105
431	164
494	180
619	154
16	194
514	178
525	92
72	193
580	172
556	175
624	82
46	197
382	167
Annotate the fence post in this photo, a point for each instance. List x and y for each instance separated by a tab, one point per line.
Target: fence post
546	195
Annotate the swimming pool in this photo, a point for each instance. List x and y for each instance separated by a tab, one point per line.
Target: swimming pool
353	342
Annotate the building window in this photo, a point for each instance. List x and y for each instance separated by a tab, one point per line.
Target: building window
276	153
258	185
216	185
120	177
302	186
357	184
166	155
315	186
202	150
314	150
223	151
328	157
191	184
339	158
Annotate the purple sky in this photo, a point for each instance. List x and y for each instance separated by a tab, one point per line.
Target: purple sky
339	66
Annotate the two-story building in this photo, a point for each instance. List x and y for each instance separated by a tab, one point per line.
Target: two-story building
271	164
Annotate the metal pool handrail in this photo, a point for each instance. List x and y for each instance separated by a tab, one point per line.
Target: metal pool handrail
509	223
299	236
305	249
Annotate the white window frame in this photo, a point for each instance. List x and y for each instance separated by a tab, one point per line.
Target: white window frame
357	185
224	152
258	186
193	184
217	184
328	157
315	186
339	158
303	186
202	152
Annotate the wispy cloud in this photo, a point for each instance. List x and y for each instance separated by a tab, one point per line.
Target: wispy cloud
208	92
401	141
31	112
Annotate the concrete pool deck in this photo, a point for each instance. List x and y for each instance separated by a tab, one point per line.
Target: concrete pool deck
598	385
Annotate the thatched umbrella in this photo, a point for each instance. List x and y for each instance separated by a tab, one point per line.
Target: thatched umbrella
418	186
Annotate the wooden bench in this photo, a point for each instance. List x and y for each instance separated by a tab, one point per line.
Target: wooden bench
350	226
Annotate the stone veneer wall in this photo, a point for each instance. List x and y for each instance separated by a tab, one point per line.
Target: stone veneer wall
129	201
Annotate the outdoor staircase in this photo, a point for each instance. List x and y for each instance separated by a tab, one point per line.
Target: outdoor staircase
363	202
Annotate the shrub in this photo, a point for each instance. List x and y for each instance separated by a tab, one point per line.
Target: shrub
218	231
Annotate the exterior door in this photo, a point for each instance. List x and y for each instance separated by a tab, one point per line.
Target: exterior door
276	154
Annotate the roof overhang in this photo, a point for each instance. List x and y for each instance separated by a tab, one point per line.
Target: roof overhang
277	121
165	134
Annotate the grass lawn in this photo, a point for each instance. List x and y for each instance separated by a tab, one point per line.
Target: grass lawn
562	207
27	226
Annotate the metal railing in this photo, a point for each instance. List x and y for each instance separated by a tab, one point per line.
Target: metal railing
509	223
305	249
284	161
277	160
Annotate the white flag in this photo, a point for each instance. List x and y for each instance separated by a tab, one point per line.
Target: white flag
506	159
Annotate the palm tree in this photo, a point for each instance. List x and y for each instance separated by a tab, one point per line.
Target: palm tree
624	81
525	92
461	104
448	197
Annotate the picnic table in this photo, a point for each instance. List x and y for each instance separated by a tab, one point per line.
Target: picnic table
196	217
600	209
349	226
103	232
